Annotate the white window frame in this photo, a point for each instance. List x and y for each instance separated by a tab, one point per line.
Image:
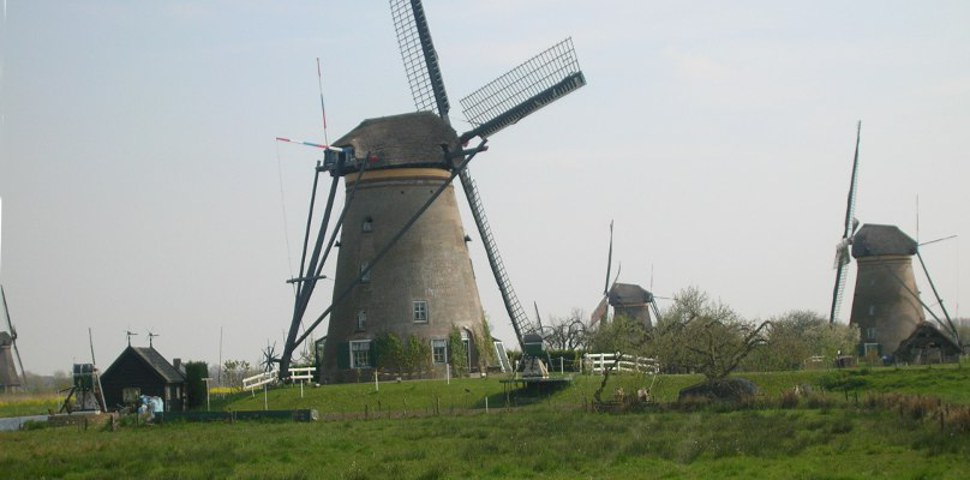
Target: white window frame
419	311
358	346
439	351
870	333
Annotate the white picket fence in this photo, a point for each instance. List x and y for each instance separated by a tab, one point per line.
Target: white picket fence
302	373
599	362
256	381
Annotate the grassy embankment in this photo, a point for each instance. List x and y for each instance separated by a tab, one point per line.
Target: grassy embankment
827	437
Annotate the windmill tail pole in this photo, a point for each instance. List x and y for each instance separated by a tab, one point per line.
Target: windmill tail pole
306	289
468	155
946	315
311	282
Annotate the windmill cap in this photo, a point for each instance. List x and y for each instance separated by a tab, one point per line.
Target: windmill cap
629	294
876	240
407	140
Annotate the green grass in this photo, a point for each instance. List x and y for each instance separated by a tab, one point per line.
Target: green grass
21	404
429	430
520	444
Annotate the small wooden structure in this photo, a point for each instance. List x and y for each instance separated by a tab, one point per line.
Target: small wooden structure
927	344
143	371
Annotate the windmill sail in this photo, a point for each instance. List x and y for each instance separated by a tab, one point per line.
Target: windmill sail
842	249
539	81
420	57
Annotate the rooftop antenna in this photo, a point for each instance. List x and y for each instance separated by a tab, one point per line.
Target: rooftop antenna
151	335
130	334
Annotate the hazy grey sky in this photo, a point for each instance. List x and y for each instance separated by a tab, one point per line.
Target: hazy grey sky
142	188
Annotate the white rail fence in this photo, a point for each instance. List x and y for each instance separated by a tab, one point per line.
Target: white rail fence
256	381
599	362
303	374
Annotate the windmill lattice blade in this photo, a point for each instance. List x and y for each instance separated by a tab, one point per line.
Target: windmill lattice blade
419	56
532	85
850	203
837	292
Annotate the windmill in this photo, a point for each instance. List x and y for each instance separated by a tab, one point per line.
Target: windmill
270	358
627	299
403	265
886	305
9	378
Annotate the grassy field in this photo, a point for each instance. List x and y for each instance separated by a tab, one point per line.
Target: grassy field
428	430
17	404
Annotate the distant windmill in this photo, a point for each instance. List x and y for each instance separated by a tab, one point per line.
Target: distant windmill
403	265
9	378
627	299
886	305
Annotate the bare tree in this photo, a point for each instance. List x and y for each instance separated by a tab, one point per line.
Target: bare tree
568	333
700	335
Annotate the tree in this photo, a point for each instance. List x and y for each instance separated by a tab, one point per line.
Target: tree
233	373
417	356
484	346
390	352
457	353
194	384
621	334
798	335
704	336
568	333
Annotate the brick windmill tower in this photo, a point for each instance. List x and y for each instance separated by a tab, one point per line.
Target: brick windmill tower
885	305
403	265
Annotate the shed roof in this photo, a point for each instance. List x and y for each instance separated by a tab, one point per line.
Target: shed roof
927	333
154	360
875	240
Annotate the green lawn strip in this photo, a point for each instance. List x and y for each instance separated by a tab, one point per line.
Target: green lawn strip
799	443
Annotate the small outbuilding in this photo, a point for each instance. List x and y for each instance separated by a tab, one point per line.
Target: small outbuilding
927	344
142	371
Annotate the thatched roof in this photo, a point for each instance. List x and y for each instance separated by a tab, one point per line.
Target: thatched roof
629	294
411	139
875	240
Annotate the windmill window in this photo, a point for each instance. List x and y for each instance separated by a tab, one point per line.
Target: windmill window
872	310
439	351
419	311
871	333
361	320
366	276
359	353
368	225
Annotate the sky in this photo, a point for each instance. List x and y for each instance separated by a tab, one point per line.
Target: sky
143	190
